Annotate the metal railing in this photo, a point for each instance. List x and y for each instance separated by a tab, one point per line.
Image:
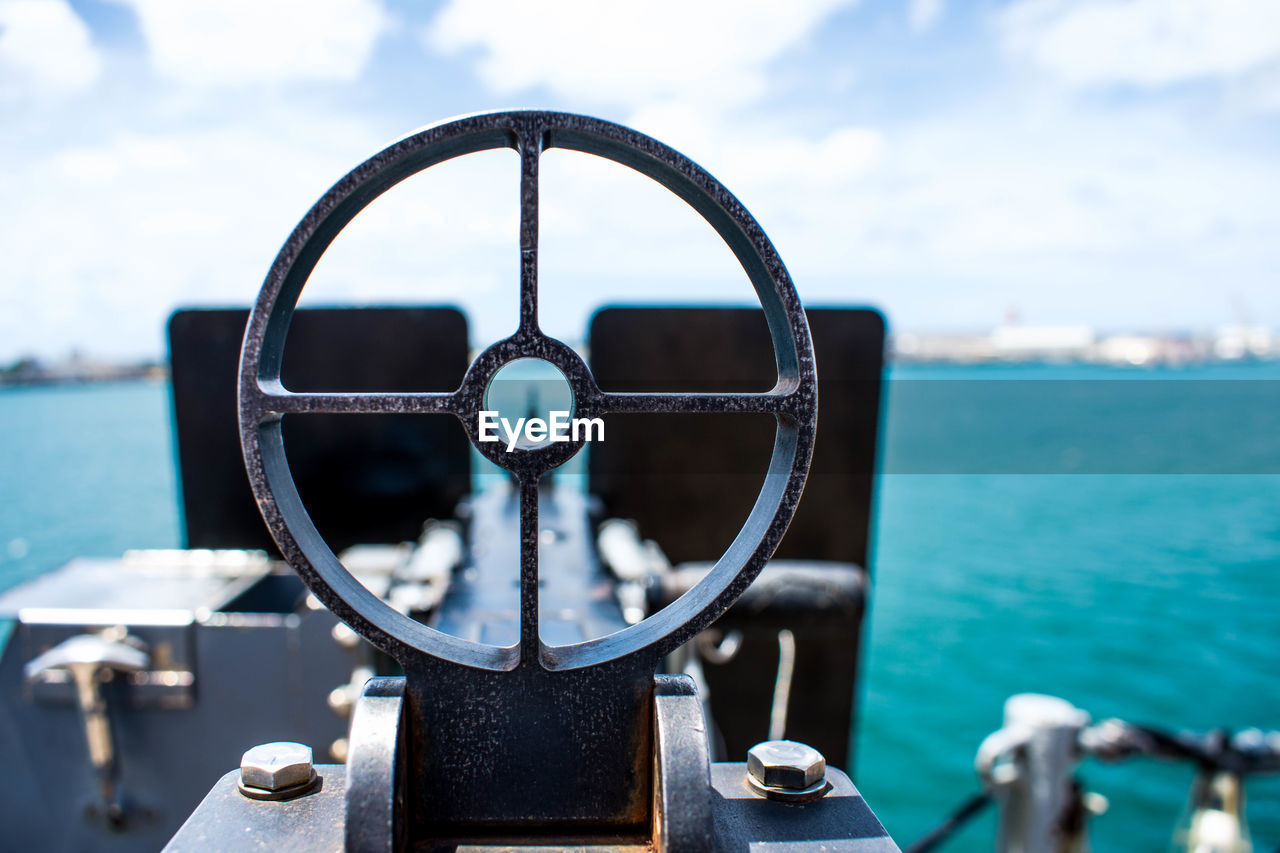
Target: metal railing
1028	770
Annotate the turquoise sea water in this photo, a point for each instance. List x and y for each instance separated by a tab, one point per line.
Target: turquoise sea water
1150	596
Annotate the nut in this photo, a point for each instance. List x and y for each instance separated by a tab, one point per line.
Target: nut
275	766
786	764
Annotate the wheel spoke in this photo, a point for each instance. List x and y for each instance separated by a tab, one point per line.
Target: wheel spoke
263	401
530	152
280	402
529	638
772	402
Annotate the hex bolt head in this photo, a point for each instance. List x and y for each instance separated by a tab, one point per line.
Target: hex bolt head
786	764
275	766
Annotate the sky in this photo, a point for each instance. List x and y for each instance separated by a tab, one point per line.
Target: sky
1106	163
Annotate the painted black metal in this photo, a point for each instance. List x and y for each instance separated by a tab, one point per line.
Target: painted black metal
576	594
682	815
373	756
785	595
687	488
365	479
531	734
656	470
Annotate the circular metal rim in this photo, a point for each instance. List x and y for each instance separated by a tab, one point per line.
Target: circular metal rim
541	446
497	356
262	350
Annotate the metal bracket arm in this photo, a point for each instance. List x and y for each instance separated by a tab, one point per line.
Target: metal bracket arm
90	659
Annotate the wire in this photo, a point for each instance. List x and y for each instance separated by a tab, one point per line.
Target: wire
782	687
966	812
718	649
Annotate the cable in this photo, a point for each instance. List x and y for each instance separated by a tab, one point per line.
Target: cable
967	811
782	686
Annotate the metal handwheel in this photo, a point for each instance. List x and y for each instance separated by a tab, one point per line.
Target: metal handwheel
602	687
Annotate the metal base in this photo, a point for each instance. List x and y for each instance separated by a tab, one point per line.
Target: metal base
697	806
840	822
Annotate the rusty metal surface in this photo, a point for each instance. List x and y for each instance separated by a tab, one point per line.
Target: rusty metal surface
529	734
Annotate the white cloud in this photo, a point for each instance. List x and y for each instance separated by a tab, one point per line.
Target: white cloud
1145	43
1078	217
238	42
712	53
694	76
923	14
1077	212
1075	218
110	237
45	50
748	154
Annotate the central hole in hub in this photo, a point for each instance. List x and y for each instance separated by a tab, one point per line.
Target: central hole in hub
529	396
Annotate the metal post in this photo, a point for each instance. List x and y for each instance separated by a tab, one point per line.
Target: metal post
1029	765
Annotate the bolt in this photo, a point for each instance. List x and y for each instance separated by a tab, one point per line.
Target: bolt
784	766
344	636
276	766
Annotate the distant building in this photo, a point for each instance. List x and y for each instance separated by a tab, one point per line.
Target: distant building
968	349
1134	350
76	369
1013	342
1239	341
1053	343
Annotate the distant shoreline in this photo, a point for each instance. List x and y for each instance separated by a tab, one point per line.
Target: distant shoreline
159	374
84	382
